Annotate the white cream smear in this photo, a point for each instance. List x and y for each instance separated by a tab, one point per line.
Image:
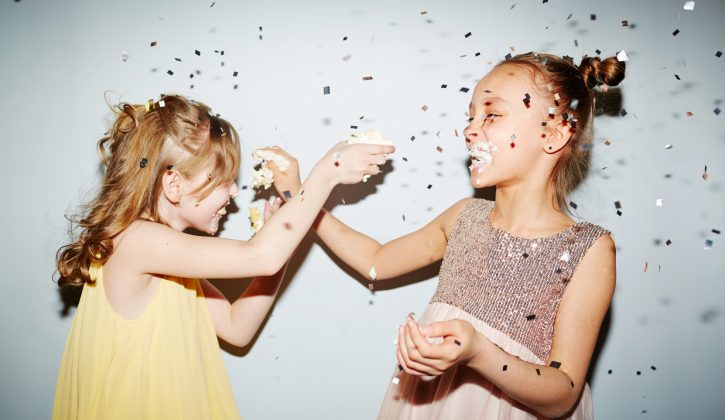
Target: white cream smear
481	155
214	225
263	177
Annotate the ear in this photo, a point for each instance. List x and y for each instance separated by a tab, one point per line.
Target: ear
172	186
559	136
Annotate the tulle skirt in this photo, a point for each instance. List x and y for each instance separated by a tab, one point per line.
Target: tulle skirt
461	393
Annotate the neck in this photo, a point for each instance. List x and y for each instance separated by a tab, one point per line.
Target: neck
527	206
167	212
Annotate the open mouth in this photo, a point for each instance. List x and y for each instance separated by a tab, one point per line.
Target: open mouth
214	226
481	155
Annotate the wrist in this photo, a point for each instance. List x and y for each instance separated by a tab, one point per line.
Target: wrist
478	350
326	171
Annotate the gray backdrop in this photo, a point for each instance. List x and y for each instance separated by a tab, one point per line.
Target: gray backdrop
327	350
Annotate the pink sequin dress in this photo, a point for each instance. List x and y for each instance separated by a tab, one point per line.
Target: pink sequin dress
509	289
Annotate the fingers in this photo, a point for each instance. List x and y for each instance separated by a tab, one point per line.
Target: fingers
278	151
410	366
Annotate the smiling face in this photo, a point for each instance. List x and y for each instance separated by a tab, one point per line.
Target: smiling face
509	129
204	215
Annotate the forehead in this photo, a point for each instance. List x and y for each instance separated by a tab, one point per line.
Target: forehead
508	82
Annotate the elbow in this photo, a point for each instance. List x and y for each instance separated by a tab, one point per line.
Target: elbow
268	260
558	409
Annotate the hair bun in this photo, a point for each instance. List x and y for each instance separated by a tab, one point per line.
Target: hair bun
595	72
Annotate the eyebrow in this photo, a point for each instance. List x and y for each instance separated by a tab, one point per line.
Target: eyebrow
489	101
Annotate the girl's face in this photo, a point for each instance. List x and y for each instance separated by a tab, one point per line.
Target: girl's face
204	215
505	134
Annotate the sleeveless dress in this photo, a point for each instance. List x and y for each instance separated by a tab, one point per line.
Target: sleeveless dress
164	364
509	289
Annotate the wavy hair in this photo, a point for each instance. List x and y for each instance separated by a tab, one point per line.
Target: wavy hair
144	142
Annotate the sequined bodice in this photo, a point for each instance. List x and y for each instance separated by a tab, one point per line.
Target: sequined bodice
513	284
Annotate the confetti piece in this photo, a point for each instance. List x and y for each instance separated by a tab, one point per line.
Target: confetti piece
658	202
716	231
396	380
530	317
668	146
287	195
424	108
505	368
716	111
467	35
458	343
326	90
170	73
372	274
573	204
367	78
566	256
689	5
439	149
124	56
677	31
525	255
668	242
444	86
429	186
555	364
624	23
143	163
153	43
718	54
623	112
704	174
592	17
622	56
708	243
645	266
464	89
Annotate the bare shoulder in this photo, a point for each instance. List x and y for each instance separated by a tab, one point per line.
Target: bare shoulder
597	268
448	218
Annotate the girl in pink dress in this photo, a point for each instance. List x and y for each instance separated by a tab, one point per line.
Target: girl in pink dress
523	289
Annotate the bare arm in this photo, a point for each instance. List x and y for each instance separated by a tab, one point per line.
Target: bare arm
159	249
363	253
399	256
548	390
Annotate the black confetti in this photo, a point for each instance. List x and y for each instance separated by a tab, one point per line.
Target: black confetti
530	317
555	364
326	90
143	163
468	34
505	367
677	31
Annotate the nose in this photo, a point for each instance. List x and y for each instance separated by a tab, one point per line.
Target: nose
472	132
233	189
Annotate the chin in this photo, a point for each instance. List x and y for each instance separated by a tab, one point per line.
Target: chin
481	179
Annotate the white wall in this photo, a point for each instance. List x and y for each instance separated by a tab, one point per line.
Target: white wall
327	351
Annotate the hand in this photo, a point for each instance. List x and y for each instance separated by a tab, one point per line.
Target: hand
289	180
418	356
270	209
349	163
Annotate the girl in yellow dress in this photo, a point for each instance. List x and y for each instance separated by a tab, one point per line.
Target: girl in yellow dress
143	343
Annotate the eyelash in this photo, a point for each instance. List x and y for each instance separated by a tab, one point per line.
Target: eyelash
491	115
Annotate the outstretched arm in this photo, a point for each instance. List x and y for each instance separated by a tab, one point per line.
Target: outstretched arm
159	249
364	254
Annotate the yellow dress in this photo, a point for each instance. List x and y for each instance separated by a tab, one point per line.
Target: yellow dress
164	364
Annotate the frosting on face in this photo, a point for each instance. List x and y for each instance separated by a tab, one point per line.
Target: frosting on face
481	155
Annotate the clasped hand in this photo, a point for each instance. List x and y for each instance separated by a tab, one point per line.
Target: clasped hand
431	350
